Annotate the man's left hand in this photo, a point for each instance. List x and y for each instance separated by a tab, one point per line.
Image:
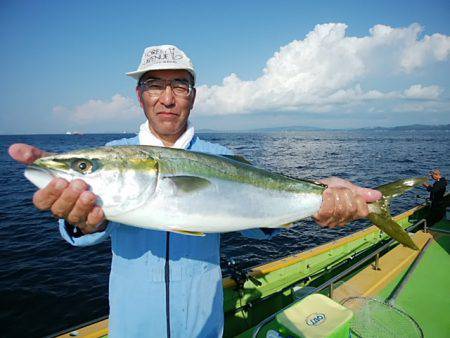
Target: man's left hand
344	202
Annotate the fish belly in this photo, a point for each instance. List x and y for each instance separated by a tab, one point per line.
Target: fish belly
221	207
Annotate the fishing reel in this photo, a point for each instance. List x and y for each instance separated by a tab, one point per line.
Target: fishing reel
240	274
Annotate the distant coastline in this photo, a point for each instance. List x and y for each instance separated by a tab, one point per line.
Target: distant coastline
308	128
411	127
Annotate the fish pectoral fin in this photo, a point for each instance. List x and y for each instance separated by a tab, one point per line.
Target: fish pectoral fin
190	233
189	183
287	225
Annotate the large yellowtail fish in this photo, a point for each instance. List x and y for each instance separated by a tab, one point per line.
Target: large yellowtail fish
195	193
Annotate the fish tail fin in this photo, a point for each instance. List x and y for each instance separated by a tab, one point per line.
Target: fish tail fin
379	211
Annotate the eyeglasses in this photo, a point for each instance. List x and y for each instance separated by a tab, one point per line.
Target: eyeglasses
155	87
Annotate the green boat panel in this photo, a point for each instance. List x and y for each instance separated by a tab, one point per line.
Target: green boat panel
425	297
441	225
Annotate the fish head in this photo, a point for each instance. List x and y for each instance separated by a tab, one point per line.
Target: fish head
123	178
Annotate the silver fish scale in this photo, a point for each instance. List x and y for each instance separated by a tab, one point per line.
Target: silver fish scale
177	161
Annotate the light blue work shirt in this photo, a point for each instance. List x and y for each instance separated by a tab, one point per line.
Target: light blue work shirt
163	284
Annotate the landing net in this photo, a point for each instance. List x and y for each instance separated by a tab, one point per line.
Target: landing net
373	318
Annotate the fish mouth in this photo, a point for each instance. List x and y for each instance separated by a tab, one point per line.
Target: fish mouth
39	176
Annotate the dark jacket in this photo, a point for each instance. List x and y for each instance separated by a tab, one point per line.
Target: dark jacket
437	191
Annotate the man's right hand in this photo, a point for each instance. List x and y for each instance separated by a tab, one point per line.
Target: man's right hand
72	201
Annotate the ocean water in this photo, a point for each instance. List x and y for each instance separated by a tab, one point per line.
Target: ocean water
46	285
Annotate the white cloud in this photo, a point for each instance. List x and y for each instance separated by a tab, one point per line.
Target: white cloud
404	47
421	106
420	52
423	93
326	69
119	108
326	74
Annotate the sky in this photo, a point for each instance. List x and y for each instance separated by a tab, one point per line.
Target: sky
330	64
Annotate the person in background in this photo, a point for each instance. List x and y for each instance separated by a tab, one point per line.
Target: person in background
164	284
437	192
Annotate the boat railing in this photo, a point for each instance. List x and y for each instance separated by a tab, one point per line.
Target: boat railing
374	255
331	282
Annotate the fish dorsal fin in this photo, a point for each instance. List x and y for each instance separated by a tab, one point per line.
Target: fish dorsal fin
190	233
189	183
397	188
238	158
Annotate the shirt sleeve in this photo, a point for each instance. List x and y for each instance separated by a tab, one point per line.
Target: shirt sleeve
261	233
74	237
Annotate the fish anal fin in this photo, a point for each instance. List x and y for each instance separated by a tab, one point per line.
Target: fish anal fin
393	229
189	183
187	232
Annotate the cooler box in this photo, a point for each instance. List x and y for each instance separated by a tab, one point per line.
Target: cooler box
316	316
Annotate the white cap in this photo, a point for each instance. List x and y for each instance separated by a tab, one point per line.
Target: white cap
163	57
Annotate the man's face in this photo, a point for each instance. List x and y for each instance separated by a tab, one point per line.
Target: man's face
435	175
167	113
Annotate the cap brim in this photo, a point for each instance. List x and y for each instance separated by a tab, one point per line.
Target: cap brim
138	73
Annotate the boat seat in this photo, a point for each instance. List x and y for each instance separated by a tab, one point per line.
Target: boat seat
316	316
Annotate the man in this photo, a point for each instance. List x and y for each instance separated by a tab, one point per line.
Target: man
437	191
161	283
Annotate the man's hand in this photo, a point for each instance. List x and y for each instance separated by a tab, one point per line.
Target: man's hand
71	201
344	202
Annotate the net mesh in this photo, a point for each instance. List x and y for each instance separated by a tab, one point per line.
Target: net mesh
373	318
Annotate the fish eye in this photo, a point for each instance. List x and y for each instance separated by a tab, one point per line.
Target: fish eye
82	166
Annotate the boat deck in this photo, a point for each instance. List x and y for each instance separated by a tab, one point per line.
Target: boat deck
405	284
424	295
423	275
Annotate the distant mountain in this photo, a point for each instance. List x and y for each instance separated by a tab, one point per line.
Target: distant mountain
211	131
307	128
264	130
412	127
290	128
